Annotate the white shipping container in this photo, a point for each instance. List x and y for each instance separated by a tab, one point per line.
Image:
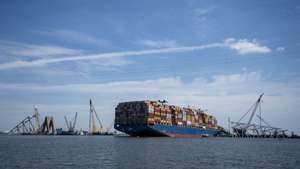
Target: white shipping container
189	123
151	109
179	116
184	116
169	116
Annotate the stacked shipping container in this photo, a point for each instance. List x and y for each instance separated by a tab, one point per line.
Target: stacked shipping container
154	112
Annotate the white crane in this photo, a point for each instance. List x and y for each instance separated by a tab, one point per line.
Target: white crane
93	128
71	124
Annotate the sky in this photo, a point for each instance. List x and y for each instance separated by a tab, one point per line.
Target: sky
216	55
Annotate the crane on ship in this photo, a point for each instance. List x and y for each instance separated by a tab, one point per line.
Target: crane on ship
95	124
94	128
71	123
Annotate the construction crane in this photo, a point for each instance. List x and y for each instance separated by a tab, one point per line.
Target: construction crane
93	128
250	129
71	124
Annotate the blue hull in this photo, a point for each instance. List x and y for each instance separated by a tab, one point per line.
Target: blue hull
165	130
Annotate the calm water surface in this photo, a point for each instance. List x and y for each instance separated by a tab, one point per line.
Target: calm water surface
89	152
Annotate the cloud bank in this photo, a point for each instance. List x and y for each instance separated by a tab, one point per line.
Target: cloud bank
240	46
222	95
243	83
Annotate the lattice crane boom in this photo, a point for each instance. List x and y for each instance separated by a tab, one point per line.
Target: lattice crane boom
255	108
92	123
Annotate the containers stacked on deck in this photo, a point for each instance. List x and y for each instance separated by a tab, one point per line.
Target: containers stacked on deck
173	115
132	113
154	112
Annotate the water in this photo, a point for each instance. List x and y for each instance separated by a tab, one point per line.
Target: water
89	152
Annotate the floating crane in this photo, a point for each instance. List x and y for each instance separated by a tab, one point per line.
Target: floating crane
93	128
71	124
97	128
263	129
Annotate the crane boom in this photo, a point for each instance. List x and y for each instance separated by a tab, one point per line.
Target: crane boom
255	108
92	125
74	123
67	123
98	119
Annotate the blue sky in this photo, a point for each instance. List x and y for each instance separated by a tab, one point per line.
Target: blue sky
217	55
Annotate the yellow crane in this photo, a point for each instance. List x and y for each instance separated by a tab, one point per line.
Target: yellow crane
95	124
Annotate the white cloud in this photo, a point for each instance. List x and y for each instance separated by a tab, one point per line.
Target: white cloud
248	82
147	86
159	44
75	37
31	50
245	46
237	78
39	51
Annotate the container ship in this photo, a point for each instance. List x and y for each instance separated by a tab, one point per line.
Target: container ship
155	118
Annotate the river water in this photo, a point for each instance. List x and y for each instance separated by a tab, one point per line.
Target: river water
93	152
